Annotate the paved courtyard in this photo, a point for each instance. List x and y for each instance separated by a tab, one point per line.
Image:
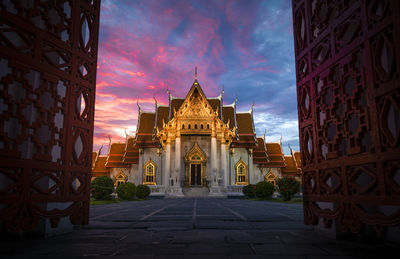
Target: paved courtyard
194	228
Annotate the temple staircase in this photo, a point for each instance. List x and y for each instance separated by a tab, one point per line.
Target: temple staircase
195	191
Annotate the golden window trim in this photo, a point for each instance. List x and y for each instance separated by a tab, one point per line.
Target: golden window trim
270	177
120	178
152	174
242	174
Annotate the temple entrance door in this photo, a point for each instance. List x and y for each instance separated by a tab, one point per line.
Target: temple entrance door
195	175
196	161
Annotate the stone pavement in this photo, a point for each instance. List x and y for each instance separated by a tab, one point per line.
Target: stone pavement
195	228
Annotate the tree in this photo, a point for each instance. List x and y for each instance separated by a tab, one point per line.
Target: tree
102	187
264	190
288	187
142	191
249	191
126	191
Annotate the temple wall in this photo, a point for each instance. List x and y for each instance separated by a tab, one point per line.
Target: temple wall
258	173
133	176
239	153
150	153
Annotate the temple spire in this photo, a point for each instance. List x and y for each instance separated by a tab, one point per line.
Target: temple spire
195	73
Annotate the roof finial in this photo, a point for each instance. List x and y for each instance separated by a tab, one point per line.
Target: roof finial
265	133
109	143
195	73
100	150
137	103
126	134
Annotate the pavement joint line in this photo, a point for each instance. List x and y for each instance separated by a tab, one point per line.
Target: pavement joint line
194	213
107	214
287	216
156	211
232	211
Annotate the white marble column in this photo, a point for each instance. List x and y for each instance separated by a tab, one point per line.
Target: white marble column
214	159
177	174
167	167
224	171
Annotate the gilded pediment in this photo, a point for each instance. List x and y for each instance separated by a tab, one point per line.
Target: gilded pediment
195	106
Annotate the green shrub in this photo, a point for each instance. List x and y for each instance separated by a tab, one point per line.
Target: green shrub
102	187
249	191
126	191
288	187
142	191
264	190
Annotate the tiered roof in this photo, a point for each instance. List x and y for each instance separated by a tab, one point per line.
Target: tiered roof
131	154
293	164
229	115
115	155
260	156
98	165
275	155
246	131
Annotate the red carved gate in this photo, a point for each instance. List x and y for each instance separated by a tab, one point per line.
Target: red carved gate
348	86
48	56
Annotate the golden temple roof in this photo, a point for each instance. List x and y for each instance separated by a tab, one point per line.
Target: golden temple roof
275	155
131	154
162	115
99	168
246	134
228	114
260	153
115	155
290	168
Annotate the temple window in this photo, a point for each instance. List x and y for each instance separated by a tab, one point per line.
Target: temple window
120	178
201	126
270	177
208	126
149	173
189	126
183	126
195	126
241	173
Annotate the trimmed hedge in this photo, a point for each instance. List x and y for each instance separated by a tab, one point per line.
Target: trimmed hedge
102	187
249	191
142	191
264	190
288	187
126	191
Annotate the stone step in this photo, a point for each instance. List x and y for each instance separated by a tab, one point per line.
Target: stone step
196	191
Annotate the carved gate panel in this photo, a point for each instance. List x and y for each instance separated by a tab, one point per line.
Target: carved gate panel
48	59
348	85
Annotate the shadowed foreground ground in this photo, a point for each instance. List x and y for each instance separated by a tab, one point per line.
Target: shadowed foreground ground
194	228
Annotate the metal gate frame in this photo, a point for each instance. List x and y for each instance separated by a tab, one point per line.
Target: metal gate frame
48	60
348	88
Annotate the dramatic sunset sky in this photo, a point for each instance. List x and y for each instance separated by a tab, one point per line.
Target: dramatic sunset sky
245	46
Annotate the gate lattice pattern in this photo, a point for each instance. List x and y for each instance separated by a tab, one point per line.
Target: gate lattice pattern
348	80
47	83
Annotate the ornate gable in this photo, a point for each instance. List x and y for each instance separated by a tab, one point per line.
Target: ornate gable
196	106
196	116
